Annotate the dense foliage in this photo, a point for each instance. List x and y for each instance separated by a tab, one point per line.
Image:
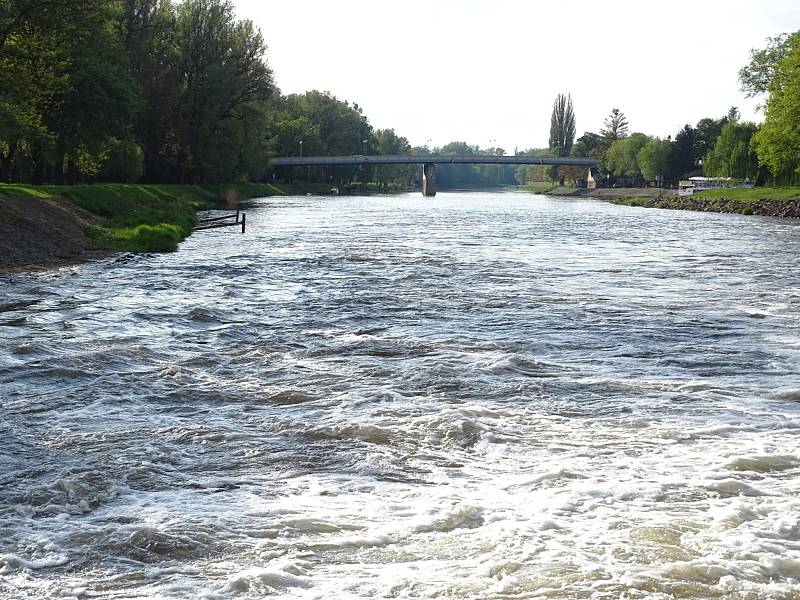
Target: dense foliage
180	91
778	142
125	89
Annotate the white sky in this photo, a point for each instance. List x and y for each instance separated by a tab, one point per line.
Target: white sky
487	71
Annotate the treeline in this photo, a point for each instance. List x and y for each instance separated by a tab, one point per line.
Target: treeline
175	91
714	147
131	89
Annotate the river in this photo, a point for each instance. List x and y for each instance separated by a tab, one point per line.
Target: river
473	396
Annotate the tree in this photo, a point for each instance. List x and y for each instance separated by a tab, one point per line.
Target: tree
707	132
562	130
58	62
123	88
147	31
224	80
615	127
733	155
40	16
622	157
325	125
589	144
652	158
387	142
457	175
562	126
757	75
778	142
683	156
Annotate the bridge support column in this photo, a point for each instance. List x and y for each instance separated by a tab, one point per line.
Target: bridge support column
429	179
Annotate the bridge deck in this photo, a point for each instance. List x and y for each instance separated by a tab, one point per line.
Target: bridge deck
375	159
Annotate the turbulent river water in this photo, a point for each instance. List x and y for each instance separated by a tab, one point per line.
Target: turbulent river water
472	396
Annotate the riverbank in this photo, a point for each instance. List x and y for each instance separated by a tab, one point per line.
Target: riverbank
609	193
43	226
768	202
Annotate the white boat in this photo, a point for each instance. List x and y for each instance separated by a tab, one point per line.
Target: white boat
698	184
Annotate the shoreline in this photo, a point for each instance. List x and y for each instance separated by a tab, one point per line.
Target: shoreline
786	209
706	201
46	227
50	227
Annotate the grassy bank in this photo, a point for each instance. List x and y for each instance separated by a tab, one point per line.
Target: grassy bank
148	218
752	194
535	187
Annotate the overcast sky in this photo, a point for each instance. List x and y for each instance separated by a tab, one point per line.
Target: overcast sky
487	71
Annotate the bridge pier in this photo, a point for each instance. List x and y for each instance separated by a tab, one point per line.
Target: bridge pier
429	179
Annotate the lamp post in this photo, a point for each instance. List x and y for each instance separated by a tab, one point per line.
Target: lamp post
365	147
301	148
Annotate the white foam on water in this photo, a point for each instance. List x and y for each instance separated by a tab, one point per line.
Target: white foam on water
401	419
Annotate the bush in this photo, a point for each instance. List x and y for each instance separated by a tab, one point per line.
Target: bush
163	237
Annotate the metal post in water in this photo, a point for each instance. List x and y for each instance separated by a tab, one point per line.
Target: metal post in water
244	217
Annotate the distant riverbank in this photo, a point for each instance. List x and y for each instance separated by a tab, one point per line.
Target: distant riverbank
769	202
42	226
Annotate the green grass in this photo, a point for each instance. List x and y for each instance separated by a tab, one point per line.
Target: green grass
24	191
163	237
149	218
752	194
538	187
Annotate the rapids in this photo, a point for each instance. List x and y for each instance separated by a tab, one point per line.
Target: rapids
474	396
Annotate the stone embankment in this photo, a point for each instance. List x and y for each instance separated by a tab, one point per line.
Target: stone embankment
657	198
767	208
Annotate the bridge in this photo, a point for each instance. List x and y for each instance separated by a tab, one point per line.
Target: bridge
428	163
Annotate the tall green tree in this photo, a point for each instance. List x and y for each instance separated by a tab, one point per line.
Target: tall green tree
621	159
562	126
733	154
64	92
683	156
706	133
562	131
39	16
327	126
387	142
778	142
652	158
757	75
147	31
615	127
224	80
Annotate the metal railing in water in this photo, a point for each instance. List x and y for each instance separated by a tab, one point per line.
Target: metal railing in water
223	221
